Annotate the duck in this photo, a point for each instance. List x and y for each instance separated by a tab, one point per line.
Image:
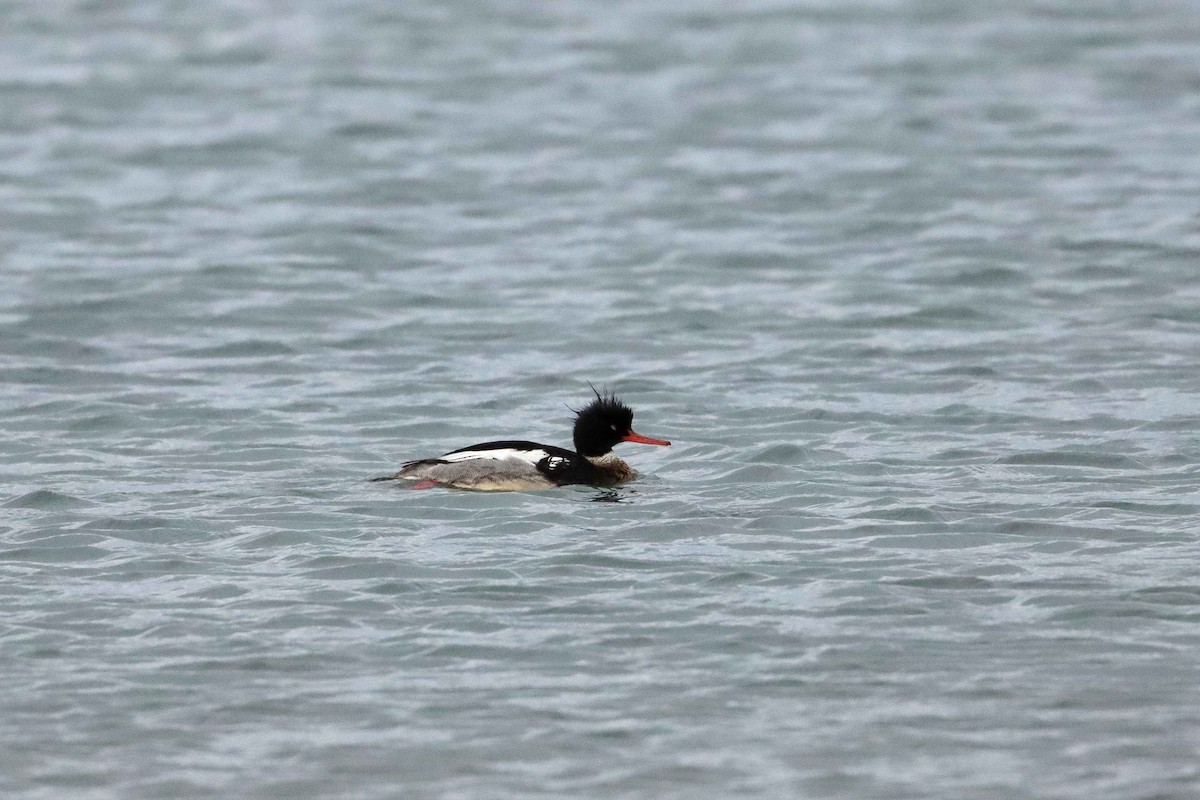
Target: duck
512	465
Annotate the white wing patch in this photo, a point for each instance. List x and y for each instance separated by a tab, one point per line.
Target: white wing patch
554	462
502	454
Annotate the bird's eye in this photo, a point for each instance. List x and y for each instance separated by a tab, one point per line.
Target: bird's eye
614	427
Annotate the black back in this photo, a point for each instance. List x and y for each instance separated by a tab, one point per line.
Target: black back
560	465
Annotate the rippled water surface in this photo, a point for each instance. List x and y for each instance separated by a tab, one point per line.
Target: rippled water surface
912	286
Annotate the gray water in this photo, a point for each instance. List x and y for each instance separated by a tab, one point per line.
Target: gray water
914	287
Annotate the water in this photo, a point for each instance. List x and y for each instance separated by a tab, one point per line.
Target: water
911	286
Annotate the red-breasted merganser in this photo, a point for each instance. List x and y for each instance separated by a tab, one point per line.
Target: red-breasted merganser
516	466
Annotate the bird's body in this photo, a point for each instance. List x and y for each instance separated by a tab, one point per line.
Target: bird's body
521	466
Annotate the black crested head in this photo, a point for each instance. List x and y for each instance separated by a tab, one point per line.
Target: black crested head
601	424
